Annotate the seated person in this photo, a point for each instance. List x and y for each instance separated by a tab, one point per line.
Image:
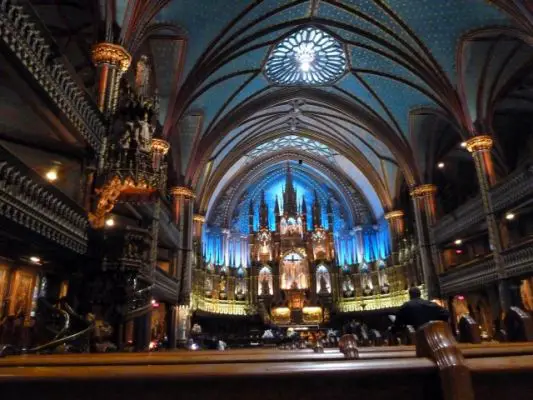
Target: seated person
417	312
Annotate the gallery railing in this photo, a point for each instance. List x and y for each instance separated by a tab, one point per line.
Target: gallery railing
29	201
165	288
516	187
518	261
21	32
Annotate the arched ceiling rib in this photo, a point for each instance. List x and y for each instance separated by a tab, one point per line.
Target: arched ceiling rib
359	201
403	57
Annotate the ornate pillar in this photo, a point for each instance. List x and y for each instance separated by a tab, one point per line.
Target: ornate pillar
424	207
198	224
111	61
183	321
183	217
396	223
358	233
480	147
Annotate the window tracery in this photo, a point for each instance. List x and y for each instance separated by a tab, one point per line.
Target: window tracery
309	56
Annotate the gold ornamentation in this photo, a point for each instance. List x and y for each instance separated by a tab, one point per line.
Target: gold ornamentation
110	53
183	191
479	143
108	196
198	218
423	190
160	146
394	214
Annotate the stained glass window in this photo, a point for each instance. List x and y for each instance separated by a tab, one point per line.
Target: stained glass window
293	142
309	56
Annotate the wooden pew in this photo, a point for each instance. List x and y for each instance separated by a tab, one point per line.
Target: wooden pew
381	379
440	372
518	325
253	356
469	331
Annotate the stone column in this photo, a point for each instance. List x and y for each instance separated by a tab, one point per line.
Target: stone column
111	61
183	217
142	331
424	207
183	320
480	147
172	326
396	223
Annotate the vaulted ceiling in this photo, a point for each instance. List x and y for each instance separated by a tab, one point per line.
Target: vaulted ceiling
421	76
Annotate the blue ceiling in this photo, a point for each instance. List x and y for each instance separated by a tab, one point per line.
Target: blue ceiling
398	50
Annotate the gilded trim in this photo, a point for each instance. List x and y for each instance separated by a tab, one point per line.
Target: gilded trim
479	143
423	190
394	214
183	191
110	53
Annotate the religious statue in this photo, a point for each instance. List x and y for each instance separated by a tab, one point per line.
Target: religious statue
347	286
240	290
144	133
265	287
323	285
222	288
384	281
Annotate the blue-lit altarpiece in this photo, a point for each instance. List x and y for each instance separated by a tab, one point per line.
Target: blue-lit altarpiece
290	243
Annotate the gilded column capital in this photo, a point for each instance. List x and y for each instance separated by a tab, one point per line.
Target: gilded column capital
182	191
479	143
198	218
423	190
110	53
394	214
160	146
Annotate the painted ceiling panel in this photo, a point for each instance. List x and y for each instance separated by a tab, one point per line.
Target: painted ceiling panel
399	98
351	131
356	89
365	59
202	20
188	129
254	86
248	61
334	13
166	54
211	101
297	11
440	24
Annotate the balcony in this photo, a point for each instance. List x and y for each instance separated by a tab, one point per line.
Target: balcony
482	271
166	288
515	188
31	44
29	201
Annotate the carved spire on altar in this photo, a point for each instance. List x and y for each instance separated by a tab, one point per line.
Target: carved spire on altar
263	212
290	204
317	214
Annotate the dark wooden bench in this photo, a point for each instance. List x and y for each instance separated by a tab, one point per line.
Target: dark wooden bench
441	371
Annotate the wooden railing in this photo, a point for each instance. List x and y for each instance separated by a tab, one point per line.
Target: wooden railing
516	187
31	45
518	261
28	200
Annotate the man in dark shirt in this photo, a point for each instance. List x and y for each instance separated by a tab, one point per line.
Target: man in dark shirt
417	311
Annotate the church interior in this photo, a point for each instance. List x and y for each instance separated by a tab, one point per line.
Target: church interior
246	192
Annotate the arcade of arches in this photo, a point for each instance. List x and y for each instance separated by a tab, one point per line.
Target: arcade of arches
170	166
